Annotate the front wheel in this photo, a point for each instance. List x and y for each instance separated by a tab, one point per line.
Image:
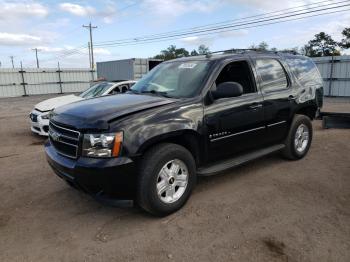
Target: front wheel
299	138
166	178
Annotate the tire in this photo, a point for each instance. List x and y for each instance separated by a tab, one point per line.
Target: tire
151	179
294	150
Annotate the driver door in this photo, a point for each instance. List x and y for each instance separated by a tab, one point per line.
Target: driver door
235	124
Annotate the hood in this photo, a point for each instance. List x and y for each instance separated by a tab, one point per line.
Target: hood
52	103
96	113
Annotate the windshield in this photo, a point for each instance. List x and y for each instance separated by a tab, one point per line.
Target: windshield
96	90
174	79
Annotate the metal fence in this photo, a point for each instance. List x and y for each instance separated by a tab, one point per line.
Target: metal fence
335	71
33	81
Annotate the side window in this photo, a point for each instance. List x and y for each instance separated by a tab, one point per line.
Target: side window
273	76
237	72
305	70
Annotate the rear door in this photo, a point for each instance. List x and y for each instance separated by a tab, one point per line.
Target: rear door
275	85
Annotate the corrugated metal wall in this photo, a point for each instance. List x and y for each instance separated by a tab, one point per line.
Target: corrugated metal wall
335	72
140	68
30	81
125	69
116	70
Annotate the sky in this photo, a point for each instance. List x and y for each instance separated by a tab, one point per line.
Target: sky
55	27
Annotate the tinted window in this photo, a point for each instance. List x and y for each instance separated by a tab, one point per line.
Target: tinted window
305	70
272	74
238	72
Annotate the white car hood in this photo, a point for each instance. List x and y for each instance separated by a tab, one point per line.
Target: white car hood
52	103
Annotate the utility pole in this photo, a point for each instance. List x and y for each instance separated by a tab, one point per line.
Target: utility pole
89	55
13	66
91	44
36	55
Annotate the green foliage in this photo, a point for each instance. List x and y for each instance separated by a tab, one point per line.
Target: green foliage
322	45
203	50
172	52
345	42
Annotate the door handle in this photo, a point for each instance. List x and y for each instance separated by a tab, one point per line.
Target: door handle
255	106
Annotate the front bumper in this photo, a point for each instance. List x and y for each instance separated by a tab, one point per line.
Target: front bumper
40	126
109	179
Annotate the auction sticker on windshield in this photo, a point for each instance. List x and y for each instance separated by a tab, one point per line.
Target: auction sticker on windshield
187	65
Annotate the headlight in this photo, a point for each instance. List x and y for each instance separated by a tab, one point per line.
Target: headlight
102	145
46	116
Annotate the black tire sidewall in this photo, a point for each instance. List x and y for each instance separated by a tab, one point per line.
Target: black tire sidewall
299	121
150	172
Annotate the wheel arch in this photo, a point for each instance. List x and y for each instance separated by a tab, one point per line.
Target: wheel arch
309	110
189	139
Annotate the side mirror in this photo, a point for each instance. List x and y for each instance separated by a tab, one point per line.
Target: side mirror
227	89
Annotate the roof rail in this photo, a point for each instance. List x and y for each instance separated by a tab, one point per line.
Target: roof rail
244	50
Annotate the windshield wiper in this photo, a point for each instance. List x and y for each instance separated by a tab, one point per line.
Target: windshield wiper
162	93
133	91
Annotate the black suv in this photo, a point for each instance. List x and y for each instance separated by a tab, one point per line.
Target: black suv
187	117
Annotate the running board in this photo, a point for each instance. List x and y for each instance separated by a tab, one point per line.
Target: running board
237	161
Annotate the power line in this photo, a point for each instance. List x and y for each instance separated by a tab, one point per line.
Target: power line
230	30
91	44
190	30
209	29
193	33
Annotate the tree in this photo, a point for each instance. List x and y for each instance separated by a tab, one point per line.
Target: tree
322	45
203	50
263	46
194	52
345	42
172	52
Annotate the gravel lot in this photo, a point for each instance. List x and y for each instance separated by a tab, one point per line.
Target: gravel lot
268	210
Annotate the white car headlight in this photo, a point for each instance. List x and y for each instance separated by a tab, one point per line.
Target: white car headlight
102	145
46	116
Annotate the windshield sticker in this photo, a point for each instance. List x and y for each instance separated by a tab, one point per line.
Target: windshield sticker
187	65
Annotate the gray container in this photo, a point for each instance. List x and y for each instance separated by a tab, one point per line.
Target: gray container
126	69
335	72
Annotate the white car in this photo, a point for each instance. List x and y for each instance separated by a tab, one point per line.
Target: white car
40	114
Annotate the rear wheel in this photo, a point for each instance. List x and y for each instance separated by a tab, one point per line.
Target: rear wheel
166	178
299	138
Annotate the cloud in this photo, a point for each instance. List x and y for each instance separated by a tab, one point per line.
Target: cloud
77	10
15	10
333	26
10	39
107	14
174	8
197	40
208	40
271	4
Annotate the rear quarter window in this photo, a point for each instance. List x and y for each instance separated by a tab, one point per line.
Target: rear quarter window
304	70
272	74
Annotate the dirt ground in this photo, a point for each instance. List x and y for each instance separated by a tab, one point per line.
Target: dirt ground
268	210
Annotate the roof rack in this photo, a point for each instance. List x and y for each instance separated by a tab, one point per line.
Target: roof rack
244	50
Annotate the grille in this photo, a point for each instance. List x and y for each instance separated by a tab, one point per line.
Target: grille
65	141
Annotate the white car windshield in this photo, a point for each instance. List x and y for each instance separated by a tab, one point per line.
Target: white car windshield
96	90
